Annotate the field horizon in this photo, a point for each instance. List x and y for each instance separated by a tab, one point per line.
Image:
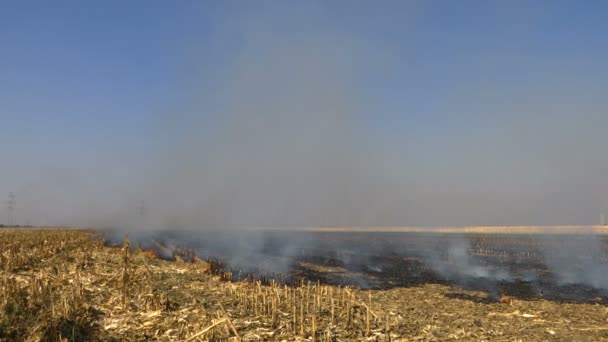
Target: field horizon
516	229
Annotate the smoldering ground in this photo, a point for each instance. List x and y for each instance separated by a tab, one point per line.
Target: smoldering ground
534	266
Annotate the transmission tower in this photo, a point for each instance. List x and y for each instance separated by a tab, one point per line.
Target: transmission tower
11	209
141	209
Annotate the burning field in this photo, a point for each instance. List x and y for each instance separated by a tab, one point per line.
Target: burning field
80	285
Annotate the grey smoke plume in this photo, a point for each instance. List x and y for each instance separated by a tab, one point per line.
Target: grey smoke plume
278	139
284	117
281	141
284	135
579	260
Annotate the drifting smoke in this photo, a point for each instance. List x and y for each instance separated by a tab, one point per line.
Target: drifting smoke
579	260
286	139
280	119
280	141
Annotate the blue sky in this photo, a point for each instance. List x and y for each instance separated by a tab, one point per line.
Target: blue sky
471	112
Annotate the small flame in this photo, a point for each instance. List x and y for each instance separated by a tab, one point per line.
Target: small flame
150	254
505	300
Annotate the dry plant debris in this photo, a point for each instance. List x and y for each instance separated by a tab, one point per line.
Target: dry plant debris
65	285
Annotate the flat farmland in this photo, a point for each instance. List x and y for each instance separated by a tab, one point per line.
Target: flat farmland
298	285
549	263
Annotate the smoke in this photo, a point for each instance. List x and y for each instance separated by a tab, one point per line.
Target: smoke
274	136
284	115
579	259
290	130
457	264
282	142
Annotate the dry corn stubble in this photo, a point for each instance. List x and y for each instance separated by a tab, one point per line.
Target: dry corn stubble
66	285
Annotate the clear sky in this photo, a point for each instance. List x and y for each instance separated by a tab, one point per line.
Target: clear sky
305	113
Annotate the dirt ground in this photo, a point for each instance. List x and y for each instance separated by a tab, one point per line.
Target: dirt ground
68	286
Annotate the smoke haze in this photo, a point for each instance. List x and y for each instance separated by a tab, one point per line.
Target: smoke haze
311	114
283	116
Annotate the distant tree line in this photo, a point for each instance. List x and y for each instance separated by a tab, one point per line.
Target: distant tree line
16	226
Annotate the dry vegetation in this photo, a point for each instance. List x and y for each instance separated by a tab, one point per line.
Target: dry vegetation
65	285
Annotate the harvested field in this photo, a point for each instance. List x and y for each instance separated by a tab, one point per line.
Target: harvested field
68	285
